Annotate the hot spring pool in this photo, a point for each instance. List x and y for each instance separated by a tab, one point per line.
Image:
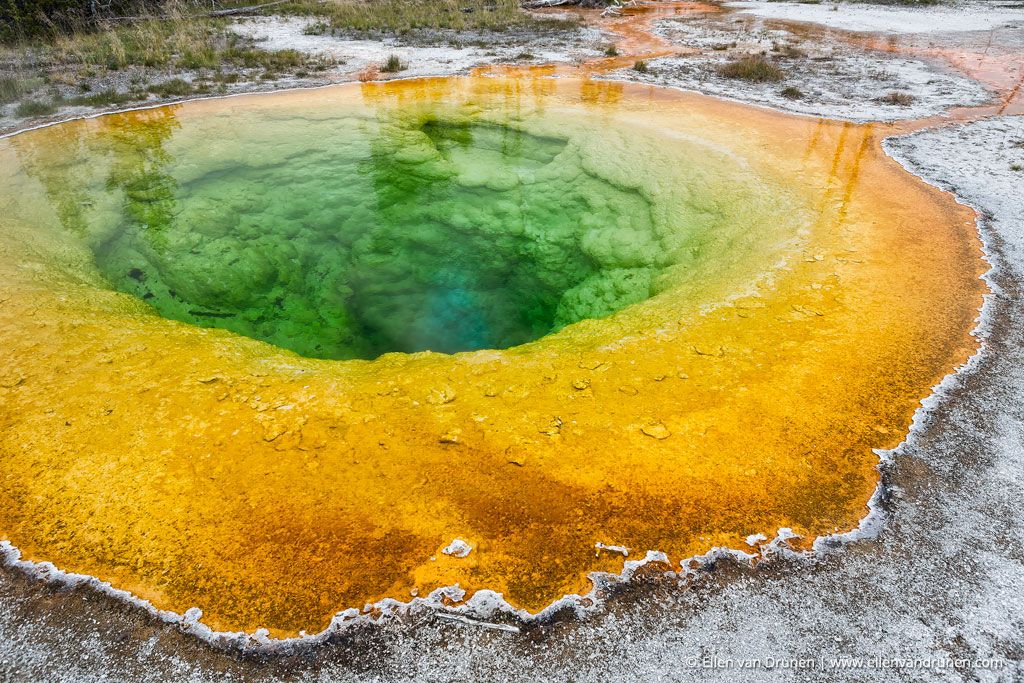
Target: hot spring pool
269	355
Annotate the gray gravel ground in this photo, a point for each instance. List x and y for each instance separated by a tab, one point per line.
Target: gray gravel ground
820	76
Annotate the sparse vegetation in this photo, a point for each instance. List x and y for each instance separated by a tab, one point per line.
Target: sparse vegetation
611	51
408	15
174	41
74	48
76	63
176	87
317	28
789	51
21	19
392	65
792	93
641	67
898	97
12	88
753	68
33	108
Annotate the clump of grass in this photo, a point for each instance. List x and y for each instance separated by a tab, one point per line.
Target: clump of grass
199	57
641	67
176	87
792	93
789	51
896	97
33	108
1016	167
12	88
611	51
252	57
317	28
393	64
753	68
525	56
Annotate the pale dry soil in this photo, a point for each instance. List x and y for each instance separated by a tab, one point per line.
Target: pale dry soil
822	75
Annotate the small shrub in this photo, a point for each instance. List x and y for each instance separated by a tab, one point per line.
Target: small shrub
1016	167
11	89
753	68
176	87
33	108
611	51
902	99
392	65
789	51
203	57
792	93
317	28
641	67
252	57
525	56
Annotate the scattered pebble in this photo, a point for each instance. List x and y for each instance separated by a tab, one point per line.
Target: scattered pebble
657	431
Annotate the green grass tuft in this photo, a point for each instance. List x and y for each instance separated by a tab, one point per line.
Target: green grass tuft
753	68
33	108
12	88
176	87
392	65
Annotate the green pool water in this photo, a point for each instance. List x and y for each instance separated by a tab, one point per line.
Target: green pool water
341	229
433	235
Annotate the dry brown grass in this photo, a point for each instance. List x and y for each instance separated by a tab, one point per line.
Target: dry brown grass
753	68
902	99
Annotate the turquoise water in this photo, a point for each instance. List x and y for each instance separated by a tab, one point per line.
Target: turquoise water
400	235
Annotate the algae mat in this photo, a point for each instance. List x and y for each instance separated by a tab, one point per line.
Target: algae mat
270	355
